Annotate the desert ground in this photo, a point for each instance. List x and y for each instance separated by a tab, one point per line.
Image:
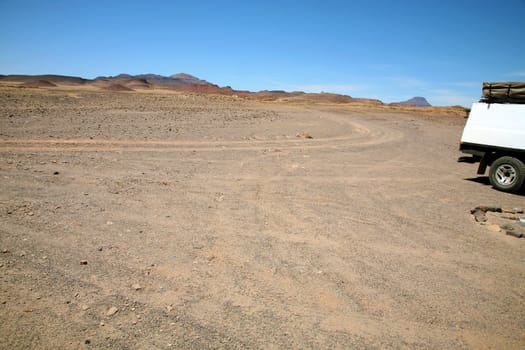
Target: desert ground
159	220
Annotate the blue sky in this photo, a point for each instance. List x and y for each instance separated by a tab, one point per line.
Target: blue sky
390	50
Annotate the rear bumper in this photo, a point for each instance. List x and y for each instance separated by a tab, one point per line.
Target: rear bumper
480	150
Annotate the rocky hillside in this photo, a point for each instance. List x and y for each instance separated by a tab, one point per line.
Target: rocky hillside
177	82
175	79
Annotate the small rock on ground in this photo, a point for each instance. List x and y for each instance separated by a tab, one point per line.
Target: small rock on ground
112	310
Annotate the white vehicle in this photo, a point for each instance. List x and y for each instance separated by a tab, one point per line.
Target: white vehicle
495	135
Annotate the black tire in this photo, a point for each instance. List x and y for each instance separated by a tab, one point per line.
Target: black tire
507	174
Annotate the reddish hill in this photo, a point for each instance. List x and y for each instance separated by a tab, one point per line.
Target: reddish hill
201	88
117	87
110	85
38	83
55	79
138	84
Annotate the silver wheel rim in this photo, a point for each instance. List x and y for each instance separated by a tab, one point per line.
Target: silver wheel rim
506	174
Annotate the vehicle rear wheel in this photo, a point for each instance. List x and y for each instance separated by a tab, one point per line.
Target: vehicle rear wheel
507	174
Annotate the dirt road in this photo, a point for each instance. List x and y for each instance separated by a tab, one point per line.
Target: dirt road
157	221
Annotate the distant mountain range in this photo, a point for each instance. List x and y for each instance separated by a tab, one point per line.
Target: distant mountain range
175	79
188	83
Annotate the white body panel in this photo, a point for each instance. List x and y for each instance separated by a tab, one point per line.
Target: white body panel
498	125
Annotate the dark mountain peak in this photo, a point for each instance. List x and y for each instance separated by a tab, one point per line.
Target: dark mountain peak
124	76
188	79
149	76
417	101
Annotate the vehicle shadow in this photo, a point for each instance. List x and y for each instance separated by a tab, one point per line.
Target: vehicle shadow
484	180
480	180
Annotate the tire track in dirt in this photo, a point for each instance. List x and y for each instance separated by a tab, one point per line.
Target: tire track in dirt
362	135
286	232
294	225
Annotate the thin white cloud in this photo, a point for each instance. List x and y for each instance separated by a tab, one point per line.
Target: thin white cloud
466	84
518	73
450	97
452	100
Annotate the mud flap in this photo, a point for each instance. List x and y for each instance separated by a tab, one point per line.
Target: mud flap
482	166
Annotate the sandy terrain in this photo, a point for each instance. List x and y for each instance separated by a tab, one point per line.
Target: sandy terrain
164	220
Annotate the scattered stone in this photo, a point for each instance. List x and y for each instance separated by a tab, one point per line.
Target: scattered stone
513	210
136	286
83	262
487	208
30	213
479	215
84	307
56	173
514	233
102	324
87	341
513	230
100	249
112	310
304	135
5	251
510	217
